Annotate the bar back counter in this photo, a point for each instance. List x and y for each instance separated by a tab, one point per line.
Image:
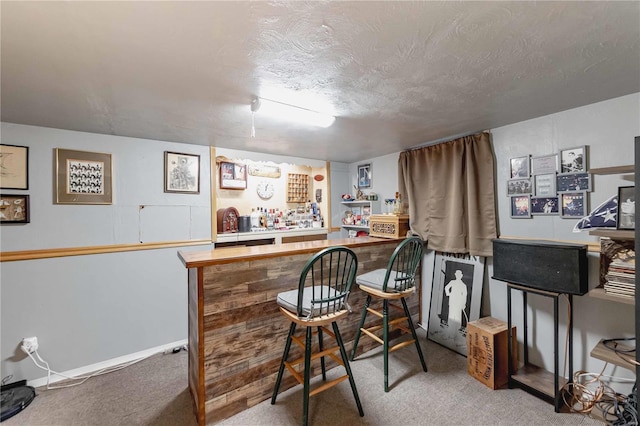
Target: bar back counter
236	333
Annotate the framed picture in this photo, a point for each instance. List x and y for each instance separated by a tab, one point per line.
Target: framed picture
573	182
545	206
233	175
545	185
573	160
544	164
181	173
83	177
14	167
14	208
626	208
573	204
521	207
519	167
364	176
519	186
455	298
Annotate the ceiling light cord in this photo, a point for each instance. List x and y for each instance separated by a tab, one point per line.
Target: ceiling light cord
282	111
255	105
253	125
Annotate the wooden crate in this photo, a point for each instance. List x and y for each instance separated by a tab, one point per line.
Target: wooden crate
487	354
388	225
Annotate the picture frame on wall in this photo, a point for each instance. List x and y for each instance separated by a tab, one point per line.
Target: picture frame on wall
83	177
573	160
455	298
573	204
14	167
626	208
568	182
181	173
364	176
545	185
14	208
545	206
521	207
519	186
233	175
519	167
544	164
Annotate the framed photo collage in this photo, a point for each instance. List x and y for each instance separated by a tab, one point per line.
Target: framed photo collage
552	185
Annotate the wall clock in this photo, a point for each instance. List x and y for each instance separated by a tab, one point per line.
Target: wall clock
265	190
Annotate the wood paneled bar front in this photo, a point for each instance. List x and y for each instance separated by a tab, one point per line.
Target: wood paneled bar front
236	332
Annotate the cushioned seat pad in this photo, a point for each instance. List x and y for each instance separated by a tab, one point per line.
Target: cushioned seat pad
375	279
289	301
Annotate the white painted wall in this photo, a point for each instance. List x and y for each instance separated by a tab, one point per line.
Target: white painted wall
89	309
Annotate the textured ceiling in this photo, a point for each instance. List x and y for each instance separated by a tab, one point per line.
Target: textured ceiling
396	74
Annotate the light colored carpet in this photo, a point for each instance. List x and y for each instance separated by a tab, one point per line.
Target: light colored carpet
154	392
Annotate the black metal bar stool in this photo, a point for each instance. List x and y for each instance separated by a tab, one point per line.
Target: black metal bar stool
395	282
320	300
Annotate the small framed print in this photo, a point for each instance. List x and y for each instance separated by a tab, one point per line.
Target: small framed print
573	160
626	208
545	185
545	206
14	209
573	204
233	175
519	167
521	207
83	177
14	167
545	164
573	182
181	173
518	186
364	176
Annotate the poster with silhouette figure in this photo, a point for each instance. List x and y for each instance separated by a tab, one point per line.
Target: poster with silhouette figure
455	298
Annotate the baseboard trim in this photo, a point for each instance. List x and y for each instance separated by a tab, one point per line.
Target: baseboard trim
81	371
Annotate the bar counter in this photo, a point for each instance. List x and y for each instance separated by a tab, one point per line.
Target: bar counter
236	332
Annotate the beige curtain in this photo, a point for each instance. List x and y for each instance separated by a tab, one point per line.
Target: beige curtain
449	188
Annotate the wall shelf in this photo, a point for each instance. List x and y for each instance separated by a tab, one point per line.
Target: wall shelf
614	234
600	351
362	208
613	170
599	293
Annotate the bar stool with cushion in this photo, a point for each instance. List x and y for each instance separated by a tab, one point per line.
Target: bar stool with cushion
396	282
320	300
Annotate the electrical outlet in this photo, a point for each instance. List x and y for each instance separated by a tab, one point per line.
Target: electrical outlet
29	345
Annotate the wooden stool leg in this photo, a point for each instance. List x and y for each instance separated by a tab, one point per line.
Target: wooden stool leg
347	367
359	331
307	376
324	372
385	344
287	346
413	333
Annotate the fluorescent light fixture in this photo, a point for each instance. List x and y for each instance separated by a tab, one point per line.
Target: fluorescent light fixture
288	112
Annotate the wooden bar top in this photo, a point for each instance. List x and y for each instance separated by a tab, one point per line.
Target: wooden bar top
196	259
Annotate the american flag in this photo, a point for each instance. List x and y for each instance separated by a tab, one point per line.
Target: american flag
603	216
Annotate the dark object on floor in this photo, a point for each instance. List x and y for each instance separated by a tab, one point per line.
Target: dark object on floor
15	399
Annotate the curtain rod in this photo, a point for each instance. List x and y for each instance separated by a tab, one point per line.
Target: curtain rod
446	139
